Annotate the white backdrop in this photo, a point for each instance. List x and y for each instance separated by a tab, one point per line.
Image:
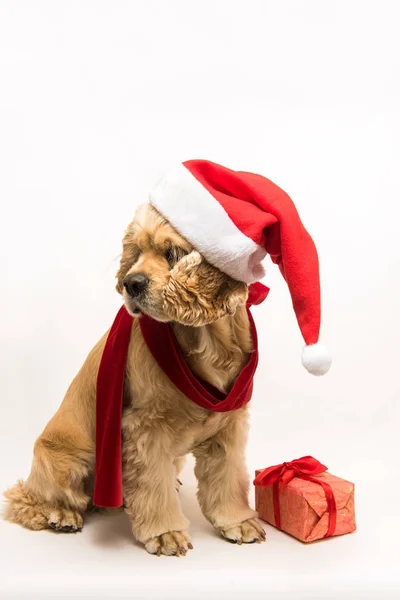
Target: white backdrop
97	100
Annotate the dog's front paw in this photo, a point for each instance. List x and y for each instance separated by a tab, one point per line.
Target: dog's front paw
172	543
65	520
248	532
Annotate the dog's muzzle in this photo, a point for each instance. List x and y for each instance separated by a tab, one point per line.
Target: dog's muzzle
136	284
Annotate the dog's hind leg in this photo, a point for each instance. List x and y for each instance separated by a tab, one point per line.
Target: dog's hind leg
54	494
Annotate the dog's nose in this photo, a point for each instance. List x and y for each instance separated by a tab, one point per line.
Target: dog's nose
135	284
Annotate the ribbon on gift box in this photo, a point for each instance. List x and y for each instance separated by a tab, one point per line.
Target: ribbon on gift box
305	468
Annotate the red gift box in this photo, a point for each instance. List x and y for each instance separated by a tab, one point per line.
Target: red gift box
303	499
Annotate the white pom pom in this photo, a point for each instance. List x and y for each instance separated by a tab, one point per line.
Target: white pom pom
316	359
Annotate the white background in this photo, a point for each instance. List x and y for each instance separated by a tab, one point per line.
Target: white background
97	100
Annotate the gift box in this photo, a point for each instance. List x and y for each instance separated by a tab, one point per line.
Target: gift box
303	499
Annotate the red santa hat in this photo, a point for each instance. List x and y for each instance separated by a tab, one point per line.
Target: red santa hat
234	219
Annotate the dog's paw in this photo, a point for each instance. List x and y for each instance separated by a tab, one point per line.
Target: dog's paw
65	520
248	532
172	543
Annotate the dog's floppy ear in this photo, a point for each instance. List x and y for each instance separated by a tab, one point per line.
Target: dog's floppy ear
198	293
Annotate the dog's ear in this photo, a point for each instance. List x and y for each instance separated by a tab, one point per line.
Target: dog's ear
130	254
198	293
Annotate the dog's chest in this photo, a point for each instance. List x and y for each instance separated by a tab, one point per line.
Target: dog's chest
157	412
212	354
196	434
170	422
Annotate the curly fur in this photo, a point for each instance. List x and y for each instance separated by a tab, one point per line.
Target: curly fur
160	425
220	295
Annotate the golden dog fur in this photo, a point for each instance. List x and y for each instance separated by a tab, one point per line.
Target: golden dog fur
160	425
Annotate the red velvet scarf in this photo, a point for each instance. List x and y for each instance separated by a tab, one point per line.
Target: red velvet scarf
166	351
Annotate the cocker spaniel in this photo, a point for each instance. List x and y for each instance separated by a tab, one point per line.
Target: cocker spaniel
161	275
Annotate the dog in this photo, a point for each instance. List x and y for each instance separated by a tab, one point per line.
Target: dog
159	424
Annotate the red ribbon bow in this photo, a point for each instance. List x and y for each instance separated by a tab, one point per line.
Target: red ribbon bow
304	468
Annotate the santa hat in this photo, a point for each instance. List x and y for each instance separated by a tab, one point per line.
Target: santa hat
234	219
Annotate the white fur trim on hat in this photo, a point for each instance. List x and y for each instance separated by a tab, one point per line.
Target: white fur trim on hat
201	219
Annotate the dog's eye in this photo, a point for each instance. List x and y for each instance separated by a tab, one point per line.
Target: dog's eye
170	255
173	255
